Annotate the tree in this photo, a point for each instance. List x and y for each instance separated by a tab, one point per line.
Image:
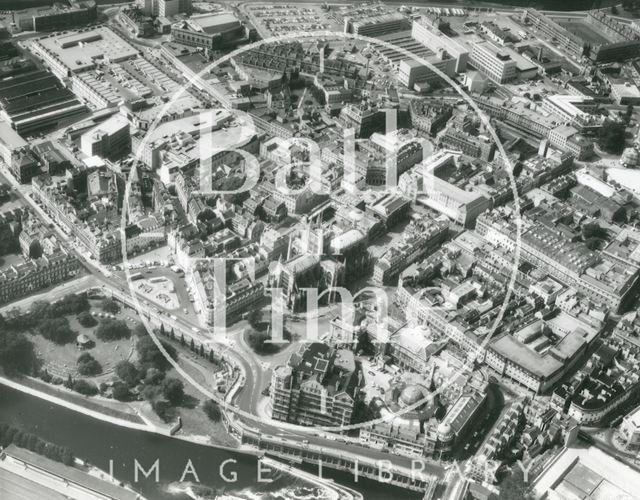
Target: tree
173	390
362	412
182	339
120	391
192	346
10	434
67	456
151	392
17	355
110	306
57	330
201	350
35	250
39	309
611	137
628	114
86	319
212	410
150	356
614	10
69	304
261	343
514	487
211	355
162	332
88	365
84	387
173	334
163	410
140	330
128	373
113	329
153	376
255	320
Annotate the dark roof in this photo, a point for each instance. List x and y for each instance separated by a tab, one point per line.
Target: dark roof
311	358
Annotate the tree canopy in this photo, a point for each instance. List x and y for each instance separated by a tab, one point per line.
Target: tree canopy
86	319
173	391
88	365
17	355
113	329
611	137
150	356
57	330
128	373
110	306
212	410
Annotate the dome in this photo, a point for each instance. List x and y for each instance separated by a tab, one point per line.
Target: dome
411	395
444	432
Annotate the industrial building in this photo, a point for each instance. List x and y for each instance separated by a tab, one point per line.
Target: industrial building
111	139
56	17
375	26
210	31
36	100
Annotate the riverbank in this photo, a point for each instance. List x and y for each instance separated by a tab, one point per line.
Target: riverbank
116	417
123	420
118	449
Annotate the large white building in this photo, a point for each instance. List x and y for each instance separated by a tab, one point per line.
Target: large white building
493	62
374	26
630	430
78	51
165	8
111	139
435	40
411	71
459	205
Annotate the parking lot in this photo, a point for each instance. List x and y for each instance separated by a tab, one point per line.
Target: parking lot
283	19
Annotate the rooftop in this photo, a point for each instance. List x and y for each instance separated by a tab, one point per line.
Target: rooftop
211	23
82	50
10	137
28	476
579	472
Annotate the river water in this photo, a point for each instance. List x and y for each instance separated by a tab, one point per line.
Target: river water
99	442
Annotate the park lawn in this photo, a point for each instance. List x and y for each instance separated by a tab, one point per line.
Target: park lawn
195	423
61	360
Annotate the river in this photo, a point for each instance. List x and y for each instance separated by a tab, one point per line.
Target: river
99	442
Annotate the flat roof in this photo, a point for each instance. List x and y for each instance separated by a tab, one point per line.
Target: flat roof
589	472
82	50
10	137
521	355
626	89
110	126
190	125
212	20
